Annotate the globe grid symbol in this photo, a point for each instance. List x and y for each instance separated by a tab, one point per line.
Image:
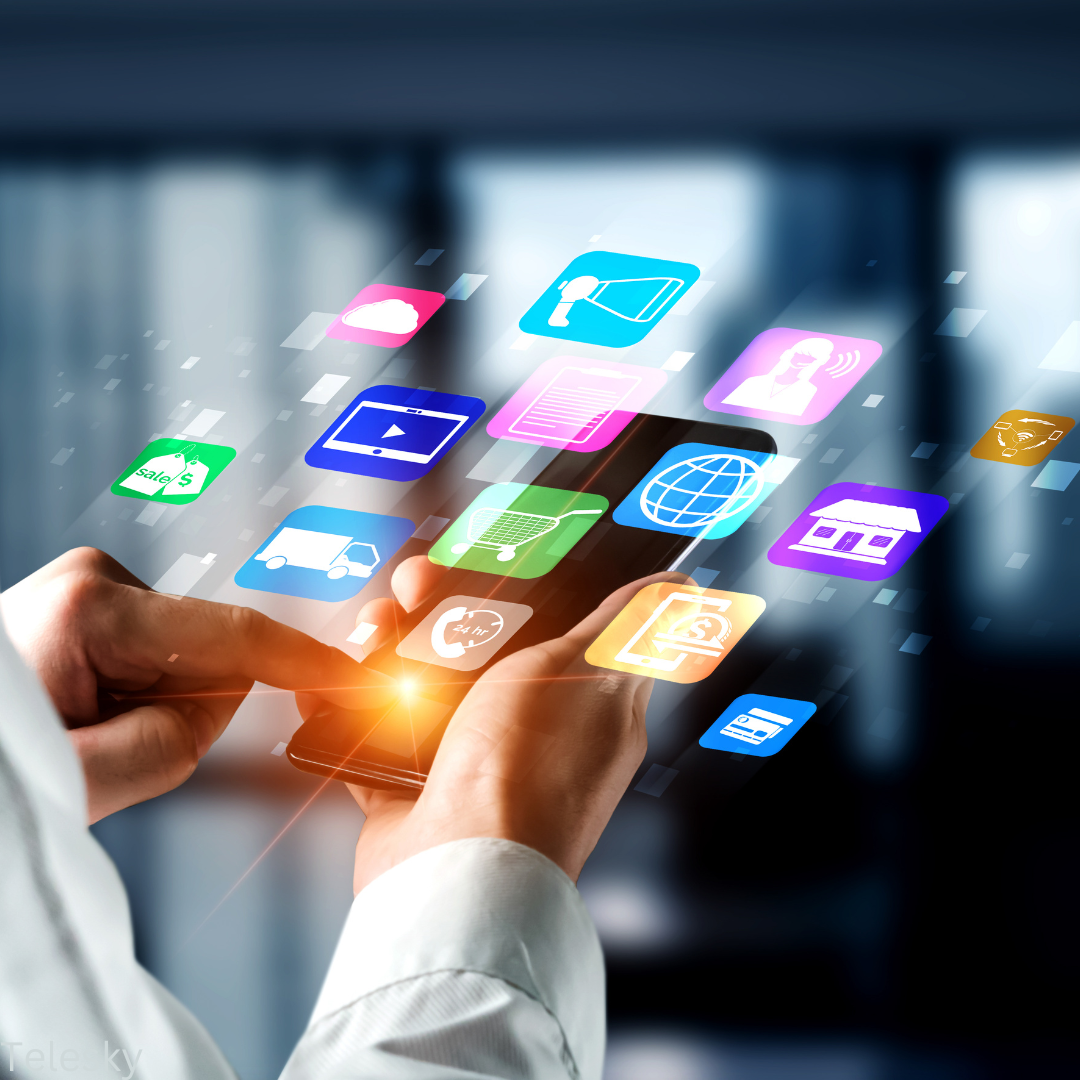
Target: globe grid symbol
701	491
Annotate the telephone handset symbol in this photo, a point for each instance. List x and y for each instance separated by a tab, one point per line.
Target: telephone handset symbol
447	650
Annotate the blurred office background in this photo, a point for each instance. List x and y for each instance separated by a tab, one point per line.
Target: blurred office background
892	896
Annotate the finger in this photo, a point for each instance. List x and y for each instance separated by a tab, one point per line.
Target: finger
142	753
141	632
597	620
415	580
211	703
378	800
548	660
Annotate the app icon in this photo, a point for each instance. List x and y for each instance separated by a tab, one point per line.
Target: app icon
757	725
394	432
678	633
385	315
1021	437
858	531
605	298
795	376
701	490
464	632
576	404
173	471
323	553
518	530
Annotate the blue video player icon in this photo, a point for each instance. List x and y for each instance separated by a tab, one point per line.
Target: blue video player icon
394	432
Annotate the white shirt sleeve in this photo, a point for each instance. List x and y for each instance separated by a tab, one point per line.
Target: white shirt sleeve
474	959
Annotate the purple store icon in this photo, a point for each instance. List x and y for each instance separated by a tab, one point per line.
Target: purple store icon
858	531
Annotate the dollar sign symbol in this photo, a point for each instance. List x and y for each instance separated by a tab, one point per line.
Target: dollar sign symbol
184	480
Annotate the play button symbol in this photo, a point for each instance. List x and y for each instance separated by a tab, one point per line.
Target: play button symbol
391	431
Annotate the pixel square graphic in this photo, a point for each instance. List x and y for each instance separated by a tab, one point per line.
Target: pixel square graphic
576	404
386	315
394	432
324	553
605	298
698	490
757	725
858	531
796	376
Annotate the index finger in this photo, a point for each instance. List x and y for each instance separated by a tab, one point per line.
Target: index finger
188	637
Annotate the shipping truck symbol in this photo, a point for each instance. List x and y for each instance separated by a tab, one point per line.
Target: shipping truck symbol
332	553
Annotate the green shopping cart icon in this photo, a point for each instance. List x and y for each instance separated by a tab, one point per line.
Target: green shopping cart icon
518	529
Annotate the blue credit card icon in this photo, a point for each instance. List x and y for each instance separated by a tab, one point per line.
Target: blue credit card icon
394	432
757	724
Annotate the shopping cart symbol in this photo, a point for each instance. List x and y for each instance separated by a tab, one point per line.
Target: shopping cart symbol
505	531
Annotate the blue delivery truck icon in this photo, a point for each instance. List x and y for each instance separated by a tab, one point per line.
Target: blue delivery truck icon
324	553
335	554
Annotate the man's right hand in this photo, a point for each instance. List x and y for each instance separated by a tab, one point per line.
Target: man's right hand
540	751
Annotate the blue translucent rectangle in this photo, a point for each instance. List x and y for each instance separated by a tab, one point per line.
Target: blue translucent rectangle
656	780
1056	475
915	643
465	286
960	322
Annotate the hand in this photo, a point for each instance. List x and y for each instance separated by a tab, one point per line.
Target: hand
540	751
147	682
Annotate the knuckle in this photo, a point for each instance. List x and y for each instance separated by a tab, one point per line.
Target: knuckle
90	559
176	747
78	591
244	622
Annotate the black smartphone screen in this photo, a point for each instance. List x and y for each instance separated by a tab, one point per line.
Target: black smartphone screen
392	746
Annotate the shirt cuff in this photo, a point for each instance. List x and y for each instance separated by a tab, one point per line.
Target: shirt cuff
483	905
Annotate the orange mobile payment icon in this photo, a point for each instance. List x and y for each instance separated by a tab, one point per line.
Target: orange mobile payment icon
1022	437
678	633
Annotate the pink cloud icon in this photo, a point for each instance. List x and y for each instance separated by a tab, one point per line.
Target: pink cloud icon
386	315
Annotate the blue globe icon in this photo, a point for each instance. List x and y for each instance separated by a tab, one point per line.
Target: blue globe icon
701	491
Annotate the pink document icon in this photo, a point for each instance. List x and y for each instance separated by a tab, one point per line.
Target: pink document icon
576	404
796	376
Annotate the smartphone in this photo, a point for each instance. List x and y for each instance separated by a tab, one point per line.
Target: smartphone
476	618
380	429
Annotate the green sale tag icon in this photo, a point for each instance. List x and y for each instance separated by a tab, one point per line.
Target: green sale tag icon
173	471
